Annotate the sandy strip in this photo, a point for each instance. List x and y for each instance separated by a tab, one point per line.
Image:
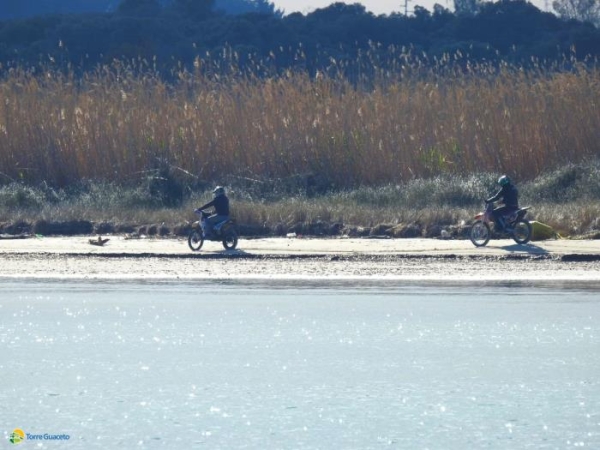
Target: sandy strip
428	260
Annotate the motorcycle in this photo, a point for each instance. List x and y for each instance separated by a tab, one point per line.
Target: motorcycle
222	232
514	225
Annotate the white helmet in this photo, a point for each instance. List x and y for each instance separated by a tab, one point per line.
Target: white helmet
219	190
503	180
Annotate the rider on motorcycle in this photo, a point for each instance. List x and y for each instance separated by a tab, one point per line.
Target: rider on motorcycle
220	203
510	197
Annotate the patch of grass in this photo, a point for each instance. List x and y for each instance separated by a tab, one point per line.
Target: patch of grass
15	197
570	183
568	200
576	218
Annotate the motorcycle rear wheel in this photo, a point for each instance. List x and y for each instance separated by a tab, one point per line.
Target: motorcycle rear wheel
522	231
230	240
195	240
480	233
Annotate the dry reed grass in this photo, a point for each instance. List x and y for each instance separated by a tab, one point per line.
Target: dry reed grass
419	145
117	123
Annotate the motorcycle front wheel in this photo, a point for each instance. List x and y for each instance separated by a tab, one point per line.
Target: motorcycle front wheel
195	240
230	240
480	233
522	231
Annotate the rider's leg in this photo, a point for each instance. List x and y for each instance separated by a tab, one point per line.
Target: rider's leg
210	223
498	215
219	221
500	222
214	220
509	216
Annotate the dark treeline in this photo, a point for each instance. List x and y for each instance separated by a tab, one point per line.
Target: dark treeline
171	33
19	9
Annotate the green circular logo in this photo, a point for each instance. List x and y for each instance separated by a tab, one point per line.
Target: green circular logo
17	436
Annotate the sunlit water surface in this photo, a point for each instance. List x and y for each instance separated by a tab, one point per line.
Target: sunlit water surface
300	366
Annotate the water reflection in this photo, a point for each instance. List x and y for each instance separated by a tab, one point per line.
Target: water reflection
292	364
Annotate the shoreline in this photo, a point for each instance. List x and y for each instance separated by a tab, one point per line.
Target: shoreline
380	260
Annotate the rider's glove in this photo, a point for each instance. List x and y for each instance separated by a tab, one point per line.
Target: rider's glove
198	211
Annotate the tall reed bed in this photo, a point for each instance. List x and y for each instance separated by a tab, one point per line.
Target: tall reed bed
121	121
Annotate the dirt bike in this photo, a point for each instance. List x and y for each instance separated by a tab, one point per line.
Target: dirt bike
222	232
514	225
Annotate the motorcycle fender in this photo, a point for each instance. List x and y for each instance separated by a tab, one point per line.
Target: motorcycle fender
196	225
479	216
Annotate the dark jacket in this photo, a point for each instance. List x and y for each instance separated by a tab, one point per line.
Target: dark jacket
221	205
509	195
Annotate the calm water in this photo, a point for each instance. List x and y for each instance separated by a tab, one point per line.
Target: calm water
300	366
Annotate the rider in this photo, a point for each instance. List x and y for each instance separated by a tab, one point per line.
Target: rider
510	197
220	203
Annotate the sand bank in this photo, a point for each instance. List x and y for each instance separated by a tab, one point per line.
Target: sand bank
335	258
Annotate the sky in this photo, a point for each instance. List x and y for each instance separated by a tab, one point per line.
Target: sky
375	6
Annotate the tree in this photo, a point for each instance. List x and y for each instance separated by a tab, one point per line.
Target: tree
467	7
139	8
15	9
582	10
194	9
247	6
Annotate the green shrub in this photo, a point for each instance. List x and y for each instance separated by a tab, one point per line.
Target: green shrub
19	196
569	183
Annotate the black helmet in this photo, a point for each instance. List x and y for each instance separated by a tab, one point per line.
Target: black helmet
503	180
219	190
